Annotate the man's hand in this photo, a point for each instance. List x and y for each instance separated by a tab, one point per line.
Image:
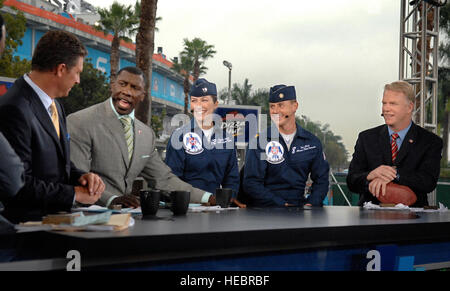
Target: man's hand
239	204
386	173
128	200
378	185
212	200
93	183
82	196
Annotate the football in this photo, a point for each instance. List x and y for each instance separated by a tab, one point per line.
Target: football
396	193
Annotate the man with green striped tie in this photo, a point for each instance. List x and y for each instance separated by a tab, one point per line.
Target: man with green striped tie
107	139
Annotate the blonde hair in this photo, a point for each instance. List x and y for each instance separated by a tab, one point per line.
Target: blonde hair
402	87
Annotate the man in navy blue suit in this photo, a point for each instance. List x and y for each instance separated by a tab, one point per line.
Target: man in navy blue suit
398	151
34	124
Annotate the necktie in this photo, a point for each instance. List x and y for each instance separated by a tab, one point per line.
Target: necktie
126	123
55	118
394	147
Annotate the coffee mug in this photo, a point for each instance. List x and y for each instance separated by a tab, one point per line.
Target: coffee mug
149	201
180	202
223	196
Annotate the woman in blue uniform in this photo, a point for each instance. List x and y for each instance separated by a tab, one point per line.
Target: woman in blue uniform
200	153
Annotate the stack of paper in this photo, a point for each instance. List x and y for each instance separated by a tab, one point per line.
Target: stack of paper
96	208
77	219
80	222
370	205
209	208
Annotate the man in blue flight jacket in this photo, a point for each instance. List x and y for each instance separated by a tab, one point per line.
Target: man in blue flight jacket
276	170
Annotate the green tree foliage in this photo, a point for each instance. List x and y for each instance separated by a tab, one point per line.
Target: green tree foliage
13	66
191	63
184	65
199	51
93	89
333	147
243	95
119	20
157	122
137	11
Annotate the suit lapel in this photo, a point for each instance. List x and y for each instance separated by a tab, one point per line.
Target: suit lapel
385	145
407	144
113	124
64	141
139	146
42	115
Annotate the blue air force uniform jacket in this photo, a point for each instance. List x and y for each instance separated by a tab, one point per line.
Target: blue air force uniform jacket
274	175
205	165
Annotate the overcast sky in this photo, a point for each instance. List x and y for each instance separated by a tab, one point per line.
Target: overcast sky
337	53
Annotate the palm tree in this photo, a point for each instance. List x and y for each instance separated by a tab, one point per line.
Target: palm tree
185	67
137	12
242	94
145	44
119	20
199	51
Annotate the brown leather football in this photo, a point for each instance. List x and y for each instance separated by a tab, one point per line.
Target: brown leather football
396	193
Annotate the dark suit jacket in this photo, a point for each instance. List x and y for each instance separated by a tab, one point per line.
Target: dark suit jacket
49	175
418	161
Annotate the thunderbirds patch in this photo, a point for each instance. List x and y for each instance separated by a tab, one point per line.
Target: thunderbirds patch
274	152
192	143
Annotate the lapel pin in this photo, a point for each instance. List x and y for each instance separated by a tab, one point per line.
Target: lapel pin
139	131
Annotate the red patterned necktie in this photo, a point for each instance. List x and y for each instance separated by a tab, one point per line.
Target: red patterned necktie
394	147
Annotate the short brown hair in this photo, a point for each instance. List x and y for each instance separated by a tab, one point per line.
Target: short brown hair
402	87
57	47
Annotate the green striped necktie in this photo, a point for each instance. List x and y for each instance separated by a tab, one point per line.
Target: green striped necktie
128	129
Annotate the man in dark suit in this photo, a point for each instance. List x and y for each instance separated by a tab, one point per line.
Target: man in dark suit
398	151
11	178
35	125
11	167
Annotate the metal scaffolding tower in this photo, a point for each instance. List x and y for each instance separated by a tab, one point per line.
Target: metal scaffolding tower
419	44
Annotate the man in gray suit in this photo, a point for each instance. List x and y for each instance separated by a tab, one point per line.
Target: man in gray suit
108	140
